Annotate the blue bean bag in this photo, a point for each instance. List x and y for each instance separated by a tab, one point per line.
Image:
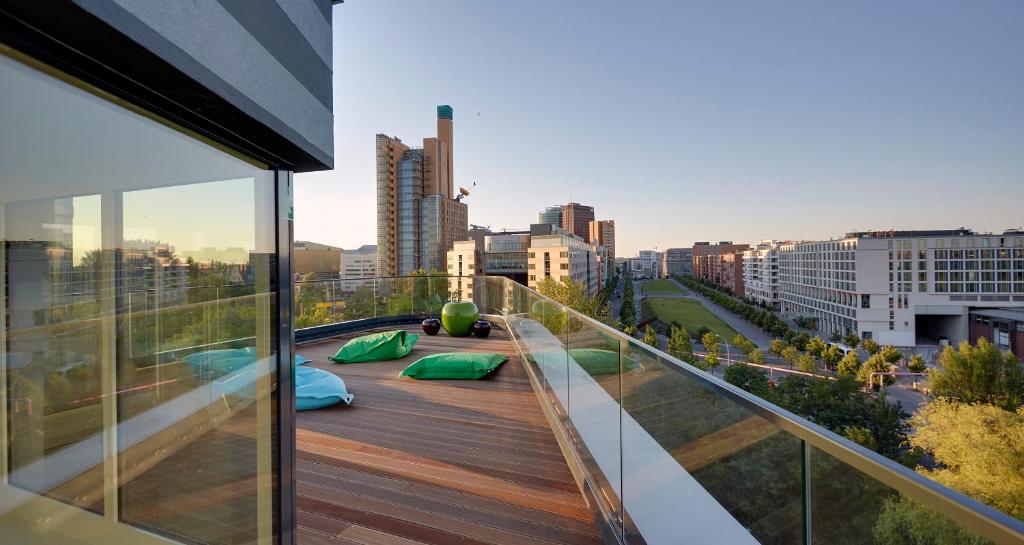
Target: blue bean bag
316	388
225	361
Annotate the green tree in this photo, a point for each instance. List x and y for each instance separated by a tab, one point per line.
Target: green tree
575	296
831	356
630	330
756	356
743	343
710	361
862	436
710	341
815	347
890	354
851	339
650	337
835	337
917	364
790	355
776	346
870	346
978	450
849	366
749	378
679	344
979	374
807	363
875	364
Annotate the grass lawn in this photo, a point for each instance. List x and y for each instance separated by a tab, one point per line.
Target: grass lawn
660	286
692	315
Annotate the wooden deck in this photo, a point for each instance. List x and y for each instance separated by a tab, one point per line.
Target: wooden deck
425	462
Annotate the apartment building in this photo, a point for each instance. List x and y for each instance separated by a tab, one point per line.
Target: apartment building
721	264
902	287
761	273
419	214
561	255
358	267
576	219
677	261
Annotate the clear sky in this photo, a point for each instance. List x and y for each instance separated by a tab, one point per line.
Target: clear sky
686	121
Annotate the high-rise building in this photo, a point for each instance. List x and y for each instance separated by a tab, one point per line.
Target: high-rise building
576	219
677	261
902	287
761	273
649	264
561	255
418	219
602	233
551	215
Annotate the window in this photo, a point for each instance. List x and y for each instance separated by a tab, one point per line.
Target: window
191	232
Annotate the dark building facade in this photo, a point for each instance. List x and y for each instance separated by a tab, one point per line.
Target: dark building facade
146	159
576	219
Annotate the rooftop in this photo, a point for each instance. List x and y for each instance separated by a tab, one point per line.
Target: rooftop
413	462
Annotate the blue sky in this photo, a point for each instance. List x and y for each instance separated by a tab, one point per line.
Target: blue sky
687	121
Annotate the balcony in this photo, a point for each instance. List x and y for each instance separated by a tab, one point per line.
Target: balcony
557	449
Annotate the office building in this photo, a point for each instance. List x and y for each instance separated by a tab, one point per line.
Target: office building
761	273
464	265
649	264
721	264
314	261
358	267
1004	327
185	123
602	233
419	214
902	287
576	219
551	215
677	262
561	255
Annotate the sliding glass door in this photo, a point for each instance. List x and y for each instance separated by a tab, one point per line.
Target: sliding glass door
140	325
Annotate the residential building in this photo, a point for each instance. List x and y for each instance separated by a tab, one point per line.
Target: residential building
314	261
602	233
419	216
185	124
677	261
576	219
761	273
561	255
712	262
902	287
358	267
551	215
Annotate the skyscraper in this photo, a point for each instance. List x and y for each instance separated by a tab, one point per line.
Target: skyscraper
602	233
417	218
576	219
551	215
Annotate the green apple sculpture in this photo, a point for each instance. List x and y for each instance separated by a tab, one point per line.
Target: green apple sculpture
458	317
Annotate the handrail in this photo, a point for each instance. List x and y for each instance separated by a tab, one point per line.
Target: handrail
973	515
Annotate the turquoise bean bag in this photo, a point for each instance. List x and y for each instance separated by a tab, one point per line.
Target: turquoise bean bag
316	388
219	363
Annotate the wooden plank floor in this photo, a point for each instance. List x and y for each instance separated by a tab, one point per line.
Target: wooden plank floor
424	462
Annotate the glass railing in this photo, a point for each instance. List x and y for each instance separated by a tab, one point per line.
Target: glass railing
668	452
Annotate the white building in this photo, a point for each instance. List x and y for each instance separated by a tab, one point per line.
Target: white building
901	287
563	254
358	267
761	273
650	264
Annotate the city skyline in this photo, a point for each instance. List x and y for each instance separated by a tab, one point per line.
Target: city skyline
902	118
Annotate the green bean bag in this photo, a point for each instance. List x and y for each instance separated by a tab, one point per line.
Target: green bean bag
389	345
454	366
596	361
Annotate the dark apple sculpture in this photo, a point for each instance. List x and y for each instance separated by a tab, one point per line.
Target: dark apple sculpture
481	329
431	326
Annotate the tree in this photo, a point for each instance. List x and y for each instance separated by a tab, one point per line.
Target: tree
749	378
710	341
851	339
807	363
815	347
776	346
679	345
575	296
835	337
756	356
790	354
700	332
710	362
831	356
650	337
917	364
743	343
630	330
800	340
890	354
875	364
978	450
870	346
979	374
849	366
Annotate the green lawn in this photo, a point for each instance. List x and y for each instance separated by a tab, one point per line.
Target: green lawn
692	315
660	286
